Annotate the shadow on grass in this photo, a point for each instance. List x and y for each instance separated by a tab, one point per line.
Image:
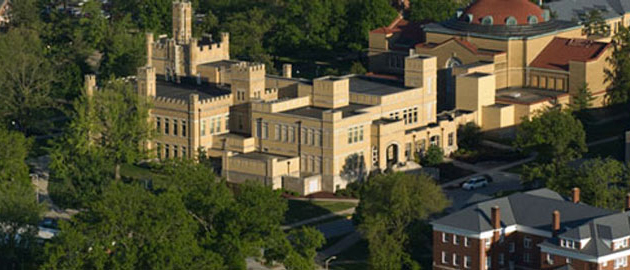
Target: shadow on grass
303	210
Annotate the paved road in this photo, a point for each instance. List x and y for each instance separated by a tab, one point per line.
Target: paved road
336	228
502	181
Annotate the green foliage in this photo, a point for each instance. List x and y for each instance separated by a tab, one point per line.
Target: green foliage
357	68
432	10
555	134
354	167
595	24
601	181
619	74
433	156
305	242
247	30
148	15
389	208
19	210
469	136
583	100
364	16
123	51
131	228
25	79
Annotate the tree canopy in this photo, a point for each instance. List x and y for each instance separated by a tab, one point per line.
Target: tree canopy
556	135
389	210
619	73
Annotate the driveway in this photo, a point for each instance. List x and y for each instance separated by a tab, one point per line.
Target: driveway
502	181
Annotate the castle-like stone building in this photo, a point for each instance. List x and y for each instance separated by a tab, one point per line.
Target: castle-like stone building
504	59
298	134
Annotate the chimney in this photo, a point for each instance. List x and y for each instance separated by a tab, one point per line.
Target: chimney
575	195
287	70
555	223
627	202
496	217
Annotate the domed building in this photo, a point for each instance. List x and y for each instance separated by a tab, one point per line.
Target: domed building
504	59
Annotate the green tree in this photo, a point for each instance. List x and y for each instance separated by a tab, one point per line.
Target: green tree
247	31
19	210
357	68
25	79
433	157
389	208
123	50
432	10
619	73
305	242
122	123
595	24
130	228
554	134
469	136
364	16
148	15
583	100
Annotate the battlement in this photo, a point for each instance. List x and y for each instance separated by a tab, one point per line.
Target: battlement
250	67
219	99
168	100
271	91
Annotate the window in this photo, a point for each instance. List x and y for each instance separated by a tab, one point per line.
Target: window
203	127
166	126
466	242
175	127
455	262
571	244
510	21
227	122
501	259
467	261
212	126
487	20
159	150
415	115
183	151
549	259
292	134
621	262
444	239
488	242
311	133
158	124
455	239
175	151
218	128
618	244
531	19
355	134
527	242
283	134
184	128
276	134
512	247
488	262
444	257
568	260
451	137
526	258
265	130
166	151
405	116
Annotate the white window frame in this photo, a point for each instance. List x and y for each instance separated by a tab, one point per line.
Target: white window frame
444	258
444	238
455	259
466	241
527	242
455	239
467	260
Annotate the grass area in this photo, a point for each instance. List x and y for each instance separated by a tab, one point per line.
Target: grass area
614	149
606	130
137	172
302	210
449	172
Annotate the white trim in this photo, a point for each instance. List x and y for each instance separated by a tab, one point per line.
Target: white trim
490	233
584	257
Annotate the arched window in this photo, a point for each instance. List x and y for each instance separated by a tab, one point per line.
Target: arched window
469	18
532	19
510	21
487	20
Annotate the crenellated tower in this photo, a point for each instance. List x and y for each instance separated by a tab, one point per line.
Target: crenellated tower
182	21
247	81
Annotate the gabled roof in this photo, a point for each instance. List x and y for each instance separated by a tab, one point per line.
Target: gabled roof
409	33
560	51
531	209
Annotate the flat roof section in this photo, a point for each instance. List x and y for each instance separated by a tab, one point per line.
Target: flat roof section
262	156
188	86
375	86
527	96
318	112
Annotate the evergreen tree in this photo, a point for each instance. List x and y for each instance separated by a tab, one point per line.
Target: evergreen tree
619	73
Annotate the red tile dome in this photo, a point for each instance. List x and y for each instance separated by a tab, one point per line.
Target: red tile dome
503	12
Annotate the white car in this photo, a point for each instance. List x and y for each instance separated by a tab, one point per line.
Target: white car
475	183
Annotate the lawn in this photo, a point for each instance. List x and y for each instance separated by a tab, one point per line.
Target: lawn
137	172
614	149
302	210
606	130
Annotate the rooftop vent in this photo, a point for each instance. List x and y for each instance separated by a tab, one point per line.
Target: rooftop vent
515	95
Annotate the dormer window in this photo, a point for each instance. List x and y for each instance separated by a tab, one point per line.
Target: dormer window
510	21
619	244
566	243
532	19
487	20
469	18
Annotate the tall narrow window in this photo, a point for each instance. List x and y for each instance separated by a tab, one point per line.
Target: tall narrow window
184	128
212	126
175	151
183	151
265	130
158	124
218	124
276	132
175	127
166	151
166	127
203	127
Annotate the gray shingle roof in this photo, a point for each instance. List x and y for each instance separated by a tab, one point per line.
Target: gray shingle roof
532	209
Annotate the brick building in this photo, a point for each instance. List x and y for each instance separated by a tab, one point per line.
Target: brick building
538	229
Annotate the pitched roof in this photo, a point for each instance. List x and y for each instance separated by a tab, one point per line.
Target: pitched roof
409	33
464	43
560	51
531	209
501	10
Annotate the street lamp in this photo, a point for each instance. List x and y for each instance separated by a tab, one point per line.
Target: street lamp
330	259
